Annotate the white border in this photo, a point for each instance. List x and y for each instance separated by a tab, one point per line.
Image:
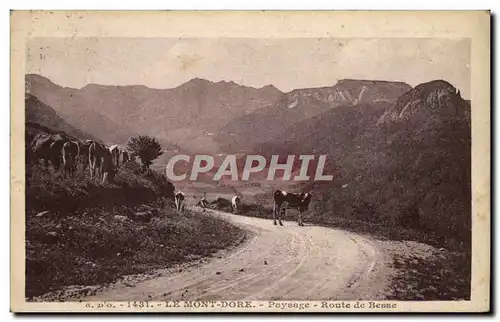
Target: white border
176	5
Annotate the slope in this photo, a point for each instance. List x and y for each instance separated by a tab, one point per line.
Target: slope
302	104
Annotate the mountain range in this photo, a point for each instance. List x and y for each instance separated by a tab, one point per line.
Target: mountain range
188	115
400	155
200	115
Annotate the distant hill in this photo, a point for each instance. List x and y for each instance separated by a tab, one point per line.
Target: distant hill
301	104
189	114
428	136
44	118
74	109
436	101
331	132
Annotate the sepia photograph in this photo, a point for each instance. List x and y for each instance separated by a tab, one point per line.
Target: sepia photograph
211	171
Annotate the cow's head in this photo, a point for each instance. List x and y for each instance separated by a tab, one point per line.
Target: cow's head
306	197
279	193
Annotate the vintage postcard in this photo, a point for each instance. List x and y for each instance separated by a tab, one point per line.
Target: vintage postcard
261	161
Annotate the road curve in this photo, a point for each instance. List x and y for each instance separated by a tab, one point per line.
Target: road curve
274	263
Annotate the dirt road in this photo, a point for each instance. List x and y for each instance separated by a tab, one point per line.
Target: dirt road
274	263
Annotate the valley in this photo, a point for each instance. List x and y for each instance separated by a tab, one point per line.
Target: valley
398	156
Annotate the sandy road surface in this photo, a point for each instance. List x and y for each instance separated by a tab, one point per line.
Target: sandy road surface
274	263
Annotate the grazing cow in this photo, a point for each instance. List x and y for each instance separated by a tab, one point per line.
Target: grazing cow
83	157
115	155
56	152
180	200
283	199
96	151
203	202
70	153
125	157
119	155
101	163
221	204
40	148
48	148
108	170
236	204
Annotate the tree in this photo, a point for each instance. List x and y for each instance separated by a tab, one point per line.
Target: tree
146	148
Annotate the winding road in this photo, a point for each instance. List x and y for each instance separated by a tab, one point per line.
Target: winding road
273	263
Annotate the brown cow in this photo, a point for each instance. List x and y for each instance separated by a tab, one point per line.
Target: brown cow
101	163
40	148
83	157
125	156
236	204
48	147
119	155
114	150
70	153
203	202
180	201
56	152
283	199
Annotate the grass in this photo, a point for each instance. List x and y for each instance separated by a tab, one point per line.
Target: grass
93	247
438	278
89	235
49	190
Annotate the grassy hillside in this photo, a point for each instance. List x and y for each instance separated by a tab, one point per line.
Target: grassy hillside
81	232
93	247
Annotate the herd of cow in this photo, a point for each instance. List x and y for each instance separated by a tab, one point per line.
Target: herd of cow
104	161
63	152
282	201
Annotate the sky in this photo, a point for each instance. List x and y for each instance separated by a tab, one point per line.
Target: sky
285	63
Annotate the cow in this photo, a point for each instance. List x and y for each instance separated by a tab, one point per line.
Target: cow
180	200
221	204
115	155
47	147
83	157
236	204
101	163
40	148
70	153
283	200
108	170
119	155
125	156
56	152
204	202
